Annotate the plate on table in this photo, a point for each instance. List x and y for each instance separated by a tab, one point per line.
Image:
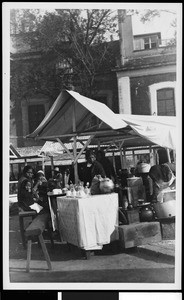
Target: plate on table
56	195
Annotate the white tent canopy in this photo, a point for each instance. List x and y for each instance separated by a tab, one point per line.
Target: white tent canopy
71	115
161	130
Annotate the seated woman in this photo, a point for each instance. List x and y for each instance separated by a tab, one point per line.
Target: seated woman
27	201
27	174
40	189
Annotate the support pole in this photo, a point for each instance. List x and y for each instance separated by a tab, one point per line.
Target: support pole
157	157
83	148
120	150
124	158
52	165
114	163
75	145
174	156
168	155
63	145
133	154
121	158
43	164
152	156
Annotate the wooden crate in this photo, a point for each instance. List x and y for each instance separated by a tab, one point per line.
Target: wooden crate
137	234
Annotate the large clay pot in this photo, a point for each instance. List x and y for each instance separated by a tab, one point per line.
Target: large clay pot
146	213
106	185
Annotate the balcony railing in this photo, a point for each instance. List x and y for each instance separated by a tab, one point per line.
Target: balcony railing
167	42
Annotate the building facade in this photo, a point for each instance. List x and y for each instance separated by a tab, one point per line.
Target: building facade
142	80
146	74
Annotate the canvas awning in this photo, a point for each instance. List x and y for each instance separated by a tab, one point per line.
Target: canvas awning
72	115
160	130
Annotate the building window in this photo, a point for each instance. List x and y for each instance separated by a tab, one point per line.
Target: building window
138	44
36	114
166	102
148	42
162	96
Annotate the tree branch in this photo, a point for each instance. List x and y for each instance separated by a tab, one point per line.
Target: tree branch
97	27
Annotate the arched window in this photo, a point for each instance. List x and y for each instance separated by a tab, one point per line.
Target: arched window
162	98
166	102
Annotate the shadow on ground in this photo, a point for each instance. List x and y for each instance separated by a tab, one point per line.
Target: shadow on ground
125	275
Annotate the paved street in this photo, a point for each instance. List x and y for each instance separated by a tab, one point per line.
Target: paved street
108	265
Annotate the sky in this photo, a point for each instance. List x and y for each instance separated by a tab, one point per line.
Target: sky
158	24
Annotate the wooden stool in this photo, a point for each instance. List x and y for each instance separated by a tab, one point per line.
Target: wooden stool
22	216
36	228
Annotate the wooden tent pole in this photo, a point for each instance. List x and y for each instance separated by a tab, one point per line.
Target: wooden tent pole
124	158
63	145
133	154
75	144
43	164
83	148
113	161
174	155
168	155
52	165
121	158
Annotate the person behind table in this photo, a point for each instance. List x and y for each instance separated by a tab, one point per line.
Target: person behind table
56	182
105	162
26	174
59	181
58	178
92	168
26	197
56	172
66	177
162	177
40	188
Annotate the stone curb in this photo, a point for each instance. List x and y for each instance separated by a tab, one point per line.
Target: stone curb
149	250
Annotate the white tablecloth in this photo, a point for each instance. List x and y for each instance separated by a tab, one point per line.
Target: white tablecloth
88	222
